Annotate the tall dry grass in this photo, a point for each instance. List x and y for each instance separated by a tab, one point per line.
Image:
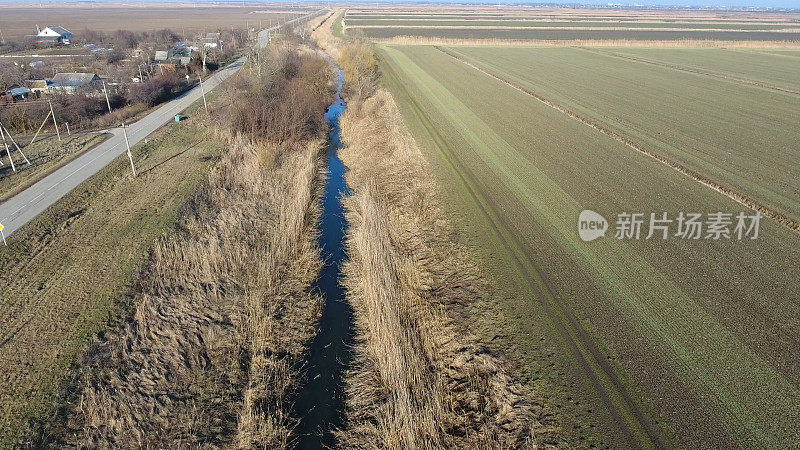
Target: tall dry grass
420	379
210	355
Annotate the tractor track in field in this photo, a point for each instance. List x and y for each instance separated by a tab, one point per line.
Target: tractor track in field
778	217
694	71
634	423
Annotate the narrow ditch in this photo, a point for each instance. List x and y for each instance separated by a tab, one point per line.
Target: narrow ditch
320	403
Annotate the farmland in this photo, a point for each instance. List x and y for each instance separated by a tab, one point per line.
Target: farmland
638	101
19	22
526	24
660	342
575	34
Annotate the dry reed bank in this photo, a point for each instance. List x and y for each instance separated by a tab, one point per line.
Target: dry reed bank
221	313
420	378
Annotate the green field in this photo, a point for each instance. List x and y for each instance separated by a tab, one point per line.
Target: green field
740	136
744	65
568	34
648	341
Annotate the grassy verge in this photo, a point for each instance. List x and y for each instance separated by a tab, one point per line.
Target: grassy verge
64	275
221	316
336	30
45	156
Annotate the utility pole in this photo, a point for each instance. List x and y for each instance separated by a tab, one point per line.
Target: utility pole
55	124
3	127
204	94
66	124
108	103
8	152
127	144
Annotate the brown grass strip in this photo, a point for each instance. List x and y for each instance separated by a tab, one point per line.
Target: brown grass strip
211	352
678	43
778	217
506	27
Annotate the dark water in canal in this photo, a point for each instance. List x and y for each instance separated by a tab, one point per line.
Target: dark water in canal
320	403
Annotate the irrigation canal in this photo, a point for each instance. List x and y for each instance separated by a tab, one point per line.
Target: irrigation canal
320	403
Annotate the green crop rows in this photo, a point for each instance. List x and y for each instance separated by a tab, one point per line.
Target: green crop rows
701	335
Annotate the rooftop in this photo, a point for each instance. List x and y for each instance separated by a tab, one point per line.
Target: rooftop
73	79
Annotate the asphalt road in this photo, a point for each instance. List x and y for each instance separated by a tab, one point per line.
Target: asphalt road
18	210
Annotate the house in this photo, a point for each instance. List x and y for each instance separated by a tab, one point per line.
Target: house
39	87
18	93
211	40
54	35
72	83
180	55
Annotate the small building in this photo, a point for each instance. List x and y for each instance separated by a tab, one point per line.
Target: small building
54	35
180	55
211	40
18	93
74	82
39	87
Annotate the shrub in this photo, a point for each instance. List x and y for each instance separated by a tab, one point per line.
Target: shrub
156	90
360	69
289	102
79	110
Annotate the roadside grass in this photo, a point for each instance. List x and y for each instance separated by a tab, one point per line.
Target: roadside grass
702	359
65	275
46	156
